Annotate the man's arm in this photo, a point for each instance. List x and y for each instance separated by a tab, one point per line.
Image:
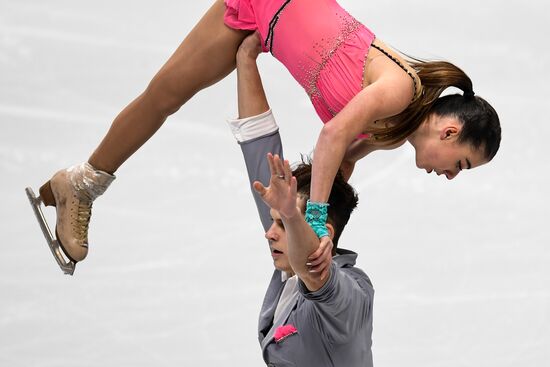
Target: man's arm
254	153
250	91
281	195
255	129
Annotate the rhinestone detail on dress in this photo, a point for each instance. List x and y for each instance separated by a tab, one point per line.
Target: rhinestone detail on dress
319	54
326	48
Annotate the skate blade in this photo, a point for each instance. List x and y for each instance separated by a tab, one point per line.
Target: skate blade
67	265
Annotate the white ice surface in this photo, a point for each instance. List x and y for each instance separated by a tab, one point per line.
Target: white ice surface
178	265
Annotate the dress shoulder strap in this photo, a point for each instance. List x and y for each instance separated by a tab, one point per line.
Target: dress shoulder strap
394	59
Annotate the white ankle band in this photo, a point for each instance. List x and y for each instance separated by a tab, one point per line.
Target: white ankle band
253	127
85	178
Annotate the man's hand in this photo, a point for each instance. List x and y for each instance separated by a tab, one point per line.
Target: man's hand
281	193
250	48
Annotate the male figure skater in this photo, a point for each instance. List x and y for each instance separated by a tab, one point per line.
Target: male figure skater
307	318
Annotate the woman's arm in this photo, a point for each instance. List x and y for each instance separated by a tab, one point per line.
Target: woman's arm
385	97
359	149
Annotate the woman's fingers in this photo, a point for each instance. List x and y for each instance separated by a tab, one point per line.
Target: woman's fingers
320	260
313	259
324	274
325	248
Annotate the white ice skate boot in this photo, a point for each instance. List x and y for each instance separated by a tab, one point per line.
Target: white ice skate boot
72	192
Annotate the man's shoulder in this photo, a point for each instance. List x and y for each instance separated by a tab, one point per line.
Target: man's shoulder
346	263
358	275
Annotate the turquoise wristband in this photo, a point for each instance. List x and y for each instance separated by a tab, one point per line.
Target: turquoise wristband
316	217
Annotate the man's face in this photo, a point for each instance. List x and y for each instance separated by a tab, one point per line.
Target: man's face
278	243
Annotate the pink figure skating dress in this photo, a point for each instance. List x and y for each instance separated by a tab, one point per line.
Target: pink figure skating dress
321	44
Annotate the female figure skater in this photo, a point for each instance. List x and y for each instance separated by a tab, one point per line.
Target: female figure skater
366	94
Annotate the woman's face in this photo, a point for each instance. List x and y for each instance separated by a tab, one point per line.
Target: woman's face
438	151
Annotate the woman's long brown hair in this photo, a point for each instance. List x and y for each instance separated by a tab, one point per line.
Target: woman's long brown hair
435	77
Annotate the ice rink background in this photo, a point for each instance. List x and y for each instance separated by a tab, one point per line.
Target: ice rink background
461	269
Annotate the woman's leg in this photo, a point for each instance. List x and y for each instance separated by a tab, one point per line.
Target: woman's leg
204	57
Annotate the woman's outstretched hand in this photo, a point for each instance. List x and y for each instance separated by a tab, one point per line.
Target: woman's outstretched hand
281	193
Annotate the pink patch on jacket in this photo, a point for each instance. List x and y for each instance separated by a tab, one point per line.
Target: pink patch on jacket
284	332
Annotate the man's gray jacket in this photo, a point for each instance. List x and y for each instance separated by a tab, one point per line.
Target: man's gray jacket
329	327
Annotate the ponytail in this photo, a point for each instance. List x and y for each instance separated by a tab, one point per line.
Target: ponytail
435	77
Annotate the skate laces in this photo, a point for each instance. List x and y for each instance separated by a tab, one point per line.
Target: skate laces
83	216
87	184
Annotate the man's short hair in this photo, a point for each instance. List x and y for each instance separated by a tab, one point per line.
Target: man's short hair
342	201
